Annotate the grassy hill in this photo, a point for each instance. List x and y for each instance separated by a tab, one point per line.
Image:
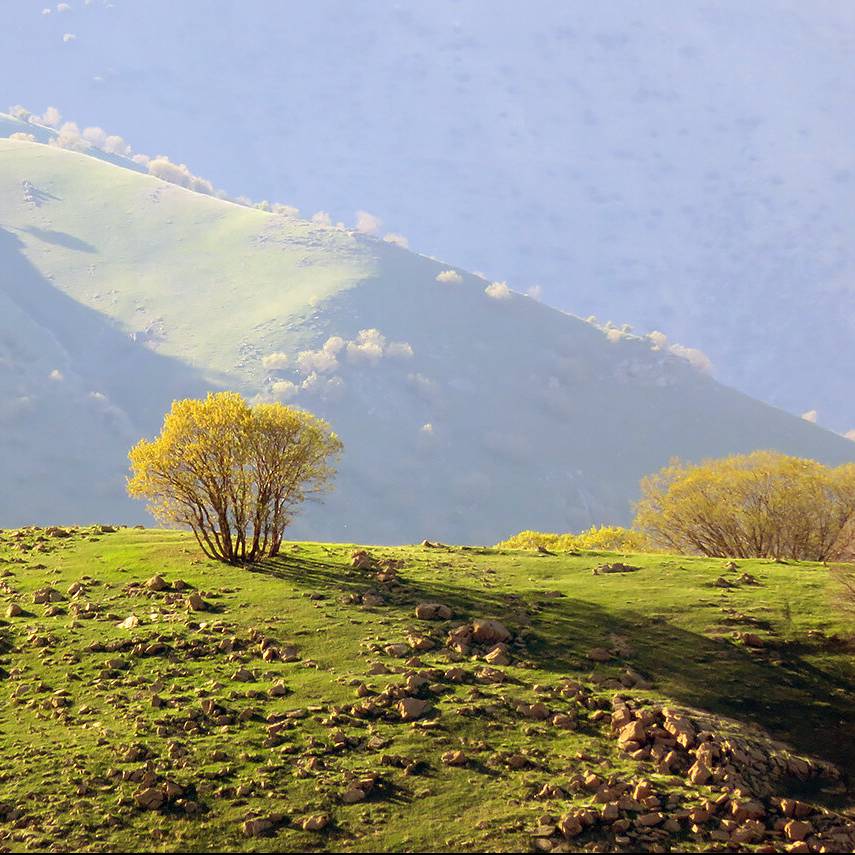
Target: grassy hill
686	170
466	416
154	699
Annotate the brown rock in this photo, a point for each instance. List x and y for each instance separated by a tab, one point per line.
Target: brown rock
151	798
489	631
398	650
242	675
433	611
498	655
196	603
599	654
420	643
454	758
361	560
14	610
412	708
611	812
318	822
353	795
698	773
632	732
569	826
156	583
257	827
797	829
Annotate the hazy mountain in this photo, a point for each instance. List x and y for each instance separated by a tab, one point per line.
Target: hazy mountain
467	411
683	166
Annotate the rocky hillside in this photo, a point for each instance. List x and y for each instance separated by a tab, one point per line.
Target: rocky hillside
351	699
467	411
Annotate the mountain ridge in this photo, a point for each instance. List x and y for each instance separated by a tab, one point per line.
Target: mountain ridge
467	410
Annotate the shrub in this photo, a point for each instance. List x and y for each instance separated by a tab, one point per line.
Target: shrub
764	504
611	538
498	291
232	473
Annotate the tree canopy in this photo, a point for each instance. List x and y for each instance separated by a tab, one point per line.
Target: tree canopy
233	473
762	504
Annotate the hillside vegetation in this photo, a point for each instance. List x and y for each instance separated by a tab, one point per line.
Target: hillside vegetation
422	698
121	292
688	169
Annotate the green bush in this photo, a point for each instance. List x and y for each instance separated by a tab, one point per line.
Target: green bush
608	538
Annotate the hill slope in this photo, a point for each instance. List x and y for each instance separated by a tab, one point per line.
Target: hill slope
464	416
130	720
685	169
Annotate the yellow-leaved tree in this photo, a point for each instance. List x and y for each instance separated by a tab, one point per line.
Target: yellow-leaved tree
763	504
233	473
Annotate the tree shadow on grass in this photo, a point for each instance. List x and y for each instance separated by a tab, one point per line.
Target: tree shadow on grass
796	701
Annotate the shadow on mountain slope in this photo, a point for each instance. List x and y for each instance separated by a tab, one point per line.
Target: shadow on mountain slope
64	450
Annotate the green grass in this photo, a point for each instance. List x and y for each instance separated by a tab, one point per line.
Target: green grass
668	621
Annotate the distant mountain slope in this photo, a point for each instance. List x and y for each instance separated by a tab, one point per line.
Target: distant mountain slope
683	165
465	414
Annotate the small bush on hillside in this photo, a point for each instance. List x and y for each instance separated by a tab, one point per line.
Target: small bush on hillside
607	538
232	473
763	505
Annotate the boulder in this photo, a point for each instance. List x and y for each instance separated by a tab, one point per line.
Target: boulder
599	654
569	826
196	603
352	795
489	632
361	560
151	798
317	822
412	708
397	649
797	829
632	732
698	773
257	827
498	655
433	611
156	583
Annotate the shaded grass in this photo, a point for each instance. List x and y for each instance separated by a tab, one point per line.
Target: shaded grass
668	622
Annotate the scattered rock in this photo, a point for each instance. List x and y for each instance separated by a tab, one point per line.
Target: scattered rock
257	827
317	822
616	567
412	708
489	631
151	798
196	603
433	611
797	829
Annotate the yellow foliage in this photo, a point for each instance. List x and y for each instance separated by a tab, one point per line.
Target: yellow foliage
232	473
605	538
763	504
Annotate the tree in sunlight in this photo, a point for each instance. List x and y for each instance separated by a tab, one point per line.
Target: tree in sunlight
758	505
234	474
